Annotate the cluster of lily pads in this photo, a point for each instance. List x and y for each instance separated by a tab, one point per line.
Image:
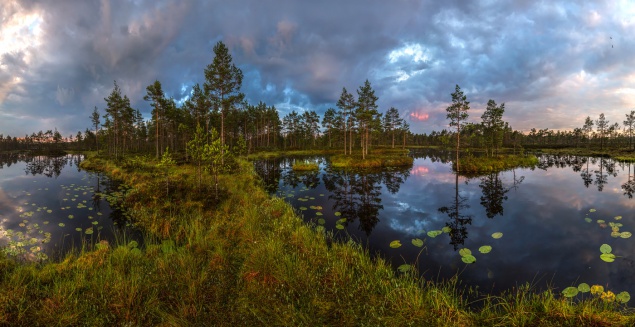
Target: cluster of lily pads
615	226
27	243
465	253
605	249
596	290
28	238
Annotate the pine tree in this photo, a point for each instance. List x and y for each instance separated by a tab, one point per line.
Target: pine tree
457	114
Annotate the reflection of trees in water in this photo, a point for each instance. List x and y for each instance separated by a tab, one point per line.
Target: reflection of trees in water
457	223
269	171
629	186
9	159
49	166
600	178
356	196
494	193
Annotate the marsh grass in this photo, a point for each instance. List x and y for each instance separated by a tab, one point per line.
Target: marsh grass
483	164
305	166
378	160
249	260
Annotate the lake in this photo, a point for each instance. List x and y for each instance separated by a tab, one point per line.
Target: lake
49	206
542	226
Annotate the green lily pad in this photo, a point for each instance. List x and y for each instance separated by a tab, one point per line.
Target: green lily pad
321	221
338	226
591	210
395	244
89	231
337	214
434	233
570	291
404	268
71	216
417	242
497	235
605	248
485	249
318	213
61	224
446	229
607	257
601	221
588	220
49	211
341	220
625	234
468	258
464	251
584	288
623	297
617	217
303	208
79	229
615	234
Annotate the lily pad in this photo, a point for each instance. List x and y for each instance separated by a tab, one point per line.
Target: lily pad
61	224
321	221
588	220
395	244
618	218
318	213
485	249
605	248
607	257
434	233
303	208
601	221
446	229
89	231
337	214
625	234
570	291
615	234
79	229
497	235
404	268
623	297
468	258
464	251
591	210
417	242
584	288
339	226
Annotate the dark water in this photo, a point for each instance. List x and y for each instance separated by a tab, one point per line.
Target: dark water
548	217
48	206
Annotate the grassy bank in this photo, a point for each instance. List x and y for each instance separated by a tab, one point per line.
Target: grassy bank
495	163
618	154
246	259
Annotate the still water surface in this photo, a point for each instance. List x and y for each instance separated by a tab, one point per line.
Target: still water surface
553	218
48	206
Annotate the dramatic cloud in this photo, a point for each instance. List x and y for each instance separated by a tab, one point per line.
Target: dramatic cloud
552	63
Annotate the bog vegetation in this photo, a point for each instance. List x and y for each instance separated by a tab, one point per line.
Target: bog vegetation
220	251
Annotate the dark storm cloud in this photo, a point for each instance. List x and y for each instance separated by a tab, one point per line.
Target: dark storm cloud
552	63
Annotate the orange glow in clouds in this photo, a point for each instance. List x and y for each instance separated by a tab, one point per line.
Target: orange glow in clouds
419	116
419	170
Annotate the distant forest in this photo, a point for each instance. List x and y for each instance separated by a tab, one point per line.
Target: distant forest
219	109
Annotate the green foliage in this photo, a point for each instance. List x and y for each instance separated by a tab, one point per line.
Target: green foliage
305	166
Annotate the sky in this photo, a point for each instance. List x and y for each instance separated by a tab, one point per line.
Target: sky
552	63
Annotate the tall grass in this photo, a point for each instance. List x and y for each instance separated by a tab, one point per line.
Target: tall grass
248	260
